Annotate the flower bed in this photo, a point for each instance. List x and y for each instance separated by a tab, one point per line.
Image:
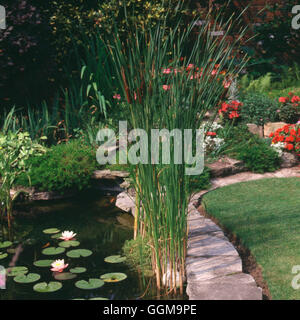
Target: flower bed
287	138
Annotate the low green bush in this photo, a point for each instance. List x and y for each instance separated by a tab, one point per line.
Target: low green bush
63	167
259	157
259	109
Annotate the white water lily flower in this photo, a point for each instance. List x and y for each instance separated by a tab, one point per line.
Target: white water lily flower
58	265
67	235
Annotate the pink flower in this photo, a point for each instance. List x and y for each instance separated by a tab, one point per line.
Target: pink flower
117	96
58	265
166	87
67	235
167	71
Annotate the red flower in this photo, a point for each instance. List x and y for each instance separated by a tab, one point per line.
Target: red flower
283	99
210	133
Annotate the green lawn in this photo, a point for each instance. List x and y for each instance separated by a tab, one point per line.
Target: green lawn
265	216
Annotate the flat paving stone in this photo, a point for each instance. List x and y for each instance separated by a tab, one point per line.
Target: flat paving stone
232	287
205	268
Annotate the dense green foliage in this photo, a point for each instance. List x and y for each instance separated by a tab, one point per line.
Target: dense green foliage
259	108
259	157
264	216
63	167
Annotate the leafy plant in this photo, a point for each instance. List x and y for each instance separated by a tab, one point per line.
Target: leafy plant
16	151
259	157
63	167
258	108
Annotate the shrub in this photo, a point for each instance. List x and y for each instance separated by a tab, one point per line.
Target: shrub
65	166
259	109
289	108
259	157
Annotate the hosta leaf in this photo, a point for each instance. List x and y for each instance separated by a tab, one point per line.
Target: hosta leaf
78	270
16	271
77	253
43	263
113	277
88	285
53	251
5	244
68	244
51	230
115	259
29	278
65	276
47	287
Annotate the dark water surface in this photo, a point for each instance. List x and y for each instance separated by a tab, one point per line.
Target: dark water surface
96	223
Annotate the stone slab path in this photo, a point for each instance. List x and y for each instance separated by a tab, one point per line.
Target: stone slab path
213	266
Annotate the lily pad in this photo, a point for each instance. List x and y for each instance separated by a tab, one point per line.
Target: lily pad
77	253
56	236
64	276
51	231
113	277
68	244
88	285
16	271
3	255
47	287
98	298
53	251
115	259
29	278
5	244
78	270
11	250
43	263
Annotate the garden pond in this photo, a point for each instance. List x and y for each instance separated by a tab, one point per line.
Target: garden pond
33	243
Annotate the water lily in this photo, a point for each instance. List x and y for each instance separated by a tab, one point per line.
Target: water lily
58	265
67	235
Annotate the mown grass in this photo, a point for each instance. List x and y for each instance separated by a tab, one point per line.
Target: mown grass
265	216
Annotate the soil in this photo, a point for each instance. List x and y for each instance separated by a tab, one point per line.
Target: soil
249	263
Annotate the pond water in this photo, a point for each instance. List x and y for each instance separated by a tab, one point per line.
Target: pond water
97	224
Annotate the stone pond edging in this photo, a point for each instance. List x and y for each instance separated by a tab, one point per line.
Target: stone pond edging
213	265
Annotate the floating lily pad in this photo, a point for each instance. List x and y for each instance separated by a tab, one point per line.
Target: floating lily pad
65	276
16	271
43	263
11	250
3	255
113	277
88	285
51	231
53	251
115	259
56	236
98	298
68	244
5	244
47	287
77	253
78	270
29	278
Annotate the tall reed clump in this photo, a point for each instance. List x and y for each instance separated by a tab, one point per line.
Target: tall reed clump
165	89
